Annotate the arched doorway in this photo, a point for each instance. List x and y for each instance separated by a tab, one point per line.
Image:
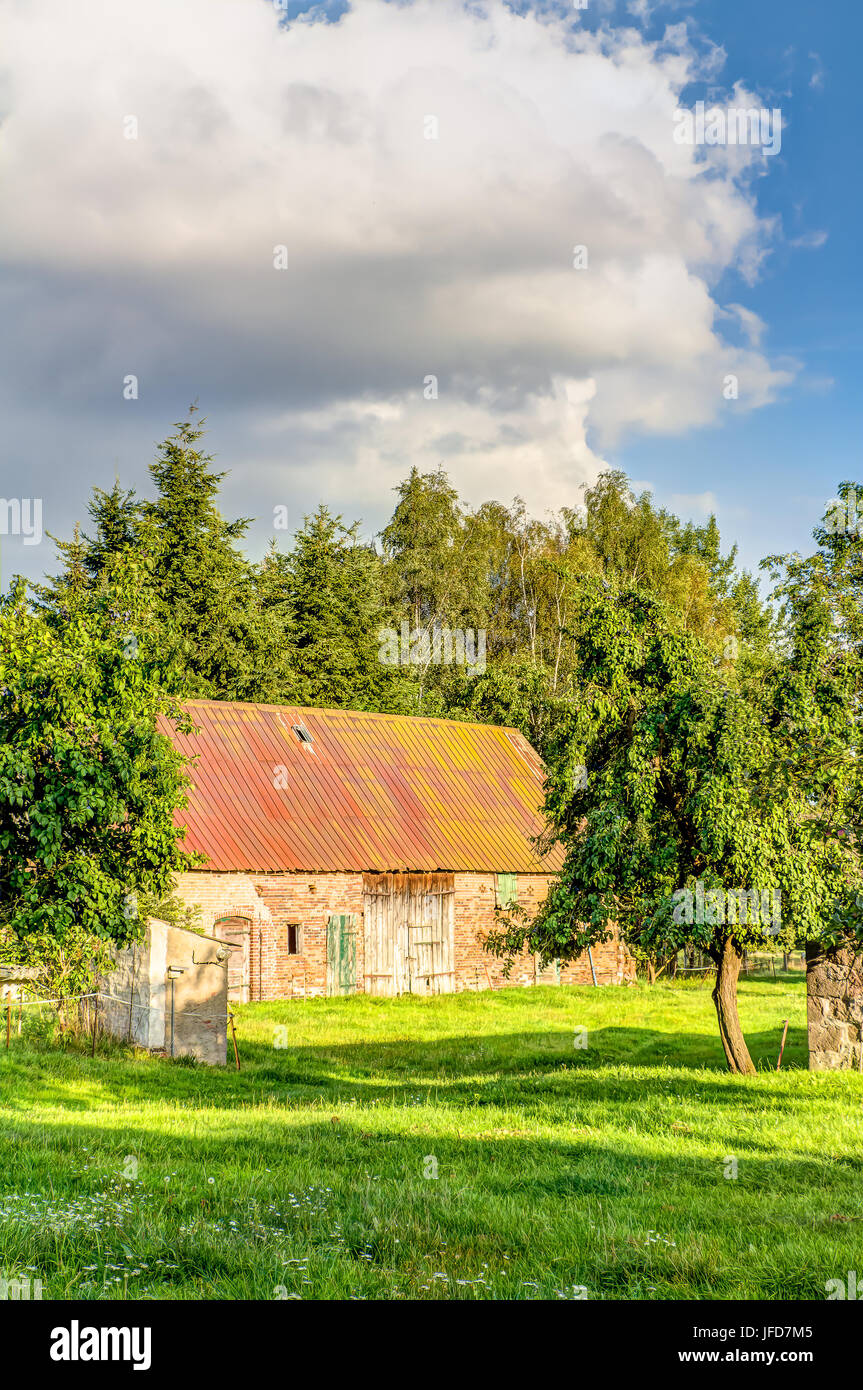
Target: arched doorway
235	932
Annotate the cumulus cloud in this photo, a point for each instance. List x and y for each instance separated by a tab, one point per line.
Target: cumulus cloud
494	447
431	170
751	325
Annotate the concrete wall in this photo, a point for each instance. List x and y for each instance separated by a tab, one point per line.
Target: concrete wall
138	1007
834	1004
270	901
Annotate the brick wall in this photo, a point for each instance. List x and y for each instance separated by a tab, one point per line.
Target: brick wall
270	901
475	897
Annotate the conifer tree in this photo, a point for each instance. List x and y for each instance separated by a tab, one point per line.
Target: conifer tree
204	587
333	584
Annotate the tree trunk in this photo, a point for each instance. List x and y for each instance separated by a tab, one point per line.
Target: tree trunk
725	999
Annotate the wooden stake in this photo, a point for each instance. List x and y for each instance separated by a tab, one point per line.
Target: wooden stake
782	1048
592	971
8	1022
234	1036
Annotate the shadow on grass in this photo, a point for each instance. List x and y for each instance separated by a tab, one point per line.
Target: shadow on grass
523	1069
493	1164
607	1217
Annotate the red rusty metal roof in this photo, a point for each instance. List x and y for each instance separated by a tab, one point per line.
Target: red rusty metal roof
374	792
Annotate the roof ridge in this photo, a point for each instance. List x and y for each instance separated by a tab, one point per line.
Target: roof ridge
360	713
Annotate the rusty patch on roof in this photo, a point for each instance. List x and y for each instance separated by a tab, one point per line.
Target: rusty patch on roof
383	793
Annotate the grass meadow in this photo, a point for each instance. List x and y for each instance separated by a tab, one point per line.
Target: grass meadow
462	1147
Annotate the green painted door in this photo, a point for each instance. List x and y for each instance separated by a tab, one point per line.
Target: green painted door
506	891
342	954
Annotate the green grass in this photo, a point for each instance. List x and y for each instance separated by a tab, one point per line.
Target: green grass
557	1166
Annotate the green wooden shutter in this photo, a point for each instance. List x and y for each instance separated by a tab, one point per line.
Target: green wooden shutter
507	890
342	954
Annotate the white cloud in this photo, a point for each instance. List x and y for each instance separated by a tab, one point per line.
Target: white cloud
810	241
408	256
817	79
698	503
534	446
752	326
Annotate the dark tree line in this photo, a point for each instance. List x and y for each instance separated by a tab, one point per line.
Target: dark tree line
305	624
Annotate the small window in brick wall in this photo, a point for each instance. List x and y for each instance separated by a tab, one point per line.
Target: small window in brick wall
294	939
506	893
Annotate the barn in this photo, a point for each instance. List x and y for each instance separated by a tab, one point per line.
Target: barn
349	852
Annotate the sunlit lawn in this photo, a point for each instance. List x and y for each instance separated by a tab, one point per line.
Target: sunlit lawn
311	1172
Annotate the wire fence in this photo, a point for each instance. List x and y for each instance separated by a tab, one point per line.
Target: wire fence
767	963
128	1003
127	1033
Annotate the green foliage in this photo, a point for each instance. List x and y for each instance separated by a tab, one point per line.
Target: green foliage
168	907
424	550
304	626
205	595
60	969
88	785
665	775
518	696
333	594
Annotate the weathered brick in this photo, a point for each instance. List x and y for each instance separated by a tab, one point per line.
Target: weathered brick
270	901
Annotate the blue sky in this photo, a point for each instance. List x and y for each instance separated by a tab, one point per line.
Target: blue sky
787	457
448	256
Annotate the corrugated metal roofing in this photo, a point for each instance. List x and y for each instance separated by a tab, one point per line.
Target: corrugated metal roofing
372	792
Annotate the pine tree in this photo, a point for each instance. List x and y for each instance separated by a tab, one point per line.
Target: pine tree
116	516
204	587
67	593
333	592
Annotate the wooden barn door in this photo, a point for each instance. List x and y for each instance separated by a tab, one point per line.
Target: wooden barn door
430	942
234	931
409	933
342	954
381	974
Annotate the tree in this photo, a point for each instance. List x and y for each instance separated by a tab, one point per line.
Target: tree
66	593
517	695
203	589
116	517
332	587
423	551
88	784
693	808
